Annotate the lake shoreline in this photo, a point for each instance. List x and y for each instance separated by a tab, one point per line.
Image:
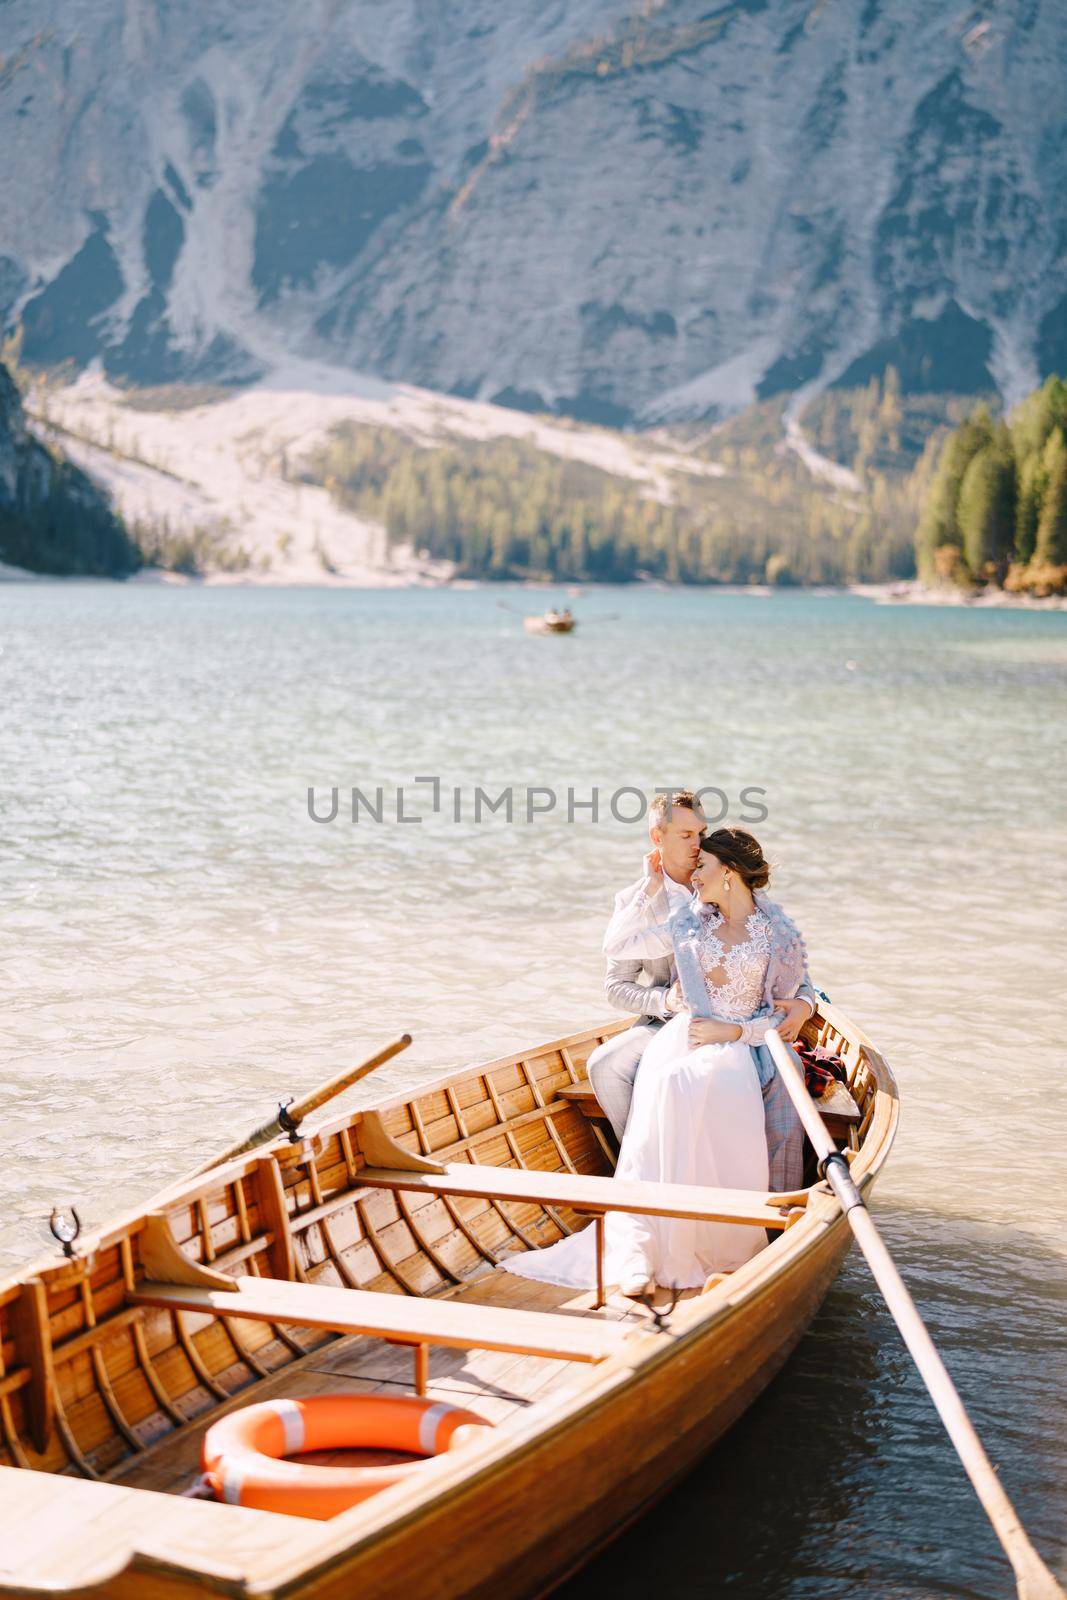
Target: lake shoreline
428	575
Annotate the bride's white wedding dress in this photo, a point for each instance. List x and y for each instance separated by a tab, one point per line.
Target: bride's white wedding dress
697	1117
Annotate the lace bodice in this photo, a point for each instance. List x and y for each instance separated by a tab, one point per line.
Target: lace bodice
745	965
770	960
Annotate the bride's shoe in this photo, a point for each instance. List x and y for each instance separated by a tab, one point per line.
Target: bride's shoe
636	1283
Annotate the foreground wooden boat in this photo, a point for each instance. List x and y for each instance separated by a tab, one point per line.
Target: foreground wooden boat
368	1255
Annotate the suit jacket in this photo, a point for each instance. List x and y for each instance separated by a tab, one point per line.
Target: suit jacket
622	981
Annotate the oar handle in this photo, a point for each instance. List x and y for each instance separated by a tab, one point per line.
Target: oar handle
289	1117
1033	1579
344	1080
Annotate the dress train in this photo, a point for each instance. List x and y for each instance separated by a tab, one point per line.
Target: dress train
696	1117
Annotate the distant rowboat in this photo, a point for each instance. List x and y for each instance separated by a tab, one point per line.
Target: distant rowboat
322	1266
551	622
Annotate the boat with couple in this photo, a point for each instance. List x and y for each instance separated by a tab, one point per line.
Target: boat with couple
261	1308
710	963
356	1280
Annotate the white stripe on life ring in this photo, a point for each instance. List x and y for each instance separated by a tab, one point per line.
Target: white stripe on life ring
292	1421
233	1481
428	1427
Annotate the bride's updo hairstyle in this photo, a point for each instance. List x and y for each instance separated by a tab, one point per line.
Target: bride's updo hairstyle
739	851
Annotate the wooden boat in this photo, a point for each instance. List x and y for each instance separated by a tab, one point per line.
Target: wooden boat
365	1257
551	622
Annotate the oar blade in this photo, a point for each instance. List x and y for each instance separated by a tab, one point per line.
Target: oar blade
1033	1579
1036	1582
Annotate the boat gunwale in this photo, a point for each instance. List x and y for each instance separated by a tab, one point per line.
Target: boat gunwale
194	1186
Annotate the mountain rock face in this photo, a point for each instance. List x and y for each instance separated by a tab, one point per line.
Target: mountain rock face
624	214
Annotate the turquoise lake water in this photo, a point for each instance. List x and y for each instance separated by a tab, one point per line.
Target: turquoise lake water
182	944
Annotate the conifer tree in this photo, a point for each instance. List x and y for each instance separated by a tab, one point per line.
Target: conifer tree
1051	546
986	508
939	525
1036	416
1032	481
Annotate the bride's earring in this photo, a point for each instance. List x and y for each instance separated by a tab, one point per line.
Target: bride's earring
726	883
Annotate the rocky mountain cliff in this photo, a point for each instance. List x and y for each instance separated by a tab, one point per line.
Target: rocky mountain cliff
625	215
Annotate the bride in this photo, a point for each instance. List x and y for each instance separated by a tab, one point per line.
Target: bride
697	1113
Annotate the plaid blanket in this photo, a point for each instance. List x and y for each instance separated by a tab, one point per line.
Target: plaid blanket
822	1069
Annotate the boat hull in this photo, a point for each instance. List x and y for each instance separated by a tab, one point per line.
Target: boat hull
579	1486
542	626
531	1502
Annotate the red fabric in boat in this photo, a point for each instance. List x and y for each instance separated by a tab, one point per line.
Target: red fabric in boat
821	1069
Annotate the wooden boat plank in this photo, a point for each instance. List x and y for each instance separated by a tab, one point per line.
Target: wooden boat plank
64	1532
838	1103
479	1376
586	1193
408	1320
502	1381
497	1393
501	1378
497	1384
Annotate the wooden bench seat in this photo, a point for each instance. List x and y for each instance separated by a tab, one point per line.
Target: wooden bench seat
837	1107
581	1095
401	1319
586	1193
59	1534
839	1111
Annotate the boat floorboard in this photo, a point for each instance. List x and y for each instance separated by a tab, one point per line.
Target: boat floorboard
495	1384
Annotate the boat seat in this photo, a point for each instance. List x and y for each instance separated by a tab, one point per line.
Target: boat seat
400	1319
61	1534
584	1192
839	1112
837	1107
581	1095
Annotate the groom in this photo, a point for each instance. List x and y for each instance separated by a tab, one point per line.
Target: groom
675	825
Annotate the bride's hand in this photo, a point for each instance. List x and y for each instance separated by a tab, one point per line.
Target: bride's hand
704	1030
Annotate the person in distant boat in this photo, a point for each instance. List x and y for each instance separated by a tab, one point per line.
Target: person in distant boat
703	1100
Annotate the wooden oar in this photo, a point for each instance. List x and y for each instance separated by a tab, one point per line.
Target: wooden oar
291	1114
1033	1579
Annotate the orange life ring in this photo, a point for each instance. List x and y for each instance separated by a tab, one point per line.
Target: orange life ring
243	1454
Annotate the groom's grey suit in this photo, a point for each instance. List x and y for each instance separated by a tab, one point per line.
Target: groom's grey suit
612	1067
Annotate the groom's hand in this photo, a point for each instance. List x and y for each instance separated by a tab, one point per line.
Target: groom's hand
653	872
797	1013
674	999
